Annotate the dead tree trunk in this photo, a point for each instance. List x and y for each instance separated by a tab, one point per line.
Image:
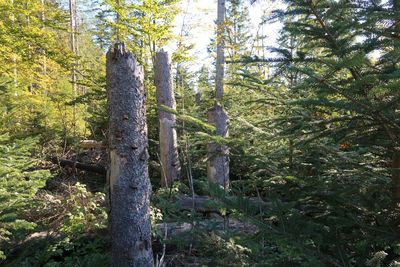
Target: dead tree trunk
218	164
170	167
129	183
219	77
218	159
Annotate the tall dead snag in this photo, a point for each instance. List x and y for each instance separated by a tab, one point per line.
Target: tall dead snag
219	68
218	162
128	178
168	139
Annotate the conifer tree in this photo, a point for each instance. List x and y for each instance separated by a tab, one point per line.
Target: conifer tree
348	61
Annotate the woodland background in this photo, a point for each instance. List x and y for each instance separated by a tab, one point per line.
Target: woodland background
314	133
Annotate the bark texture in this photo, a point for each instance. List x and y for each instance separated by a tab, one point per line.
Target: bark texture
218	162
219	78
168	139
129	183
197	98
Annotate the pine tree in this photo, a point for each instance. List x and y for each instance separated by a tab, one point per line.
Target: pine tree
19	184
237	36
352	77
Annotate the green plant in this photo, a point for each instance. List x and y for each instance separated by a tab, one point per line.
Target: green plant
19	183
86	211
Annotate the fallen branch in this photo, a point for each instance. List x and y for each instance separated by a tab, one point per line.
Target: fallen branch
92	144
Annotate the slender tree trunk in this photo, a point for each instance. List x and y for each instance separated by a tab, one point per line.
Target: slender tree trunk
218	164
73	29
28	23
291	153
43	19
168	139
396	177
14	58
197	98
219	79
396	153
128	178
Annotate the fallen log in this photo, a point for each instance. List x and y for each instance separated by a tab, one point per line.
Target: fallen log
206	205
82	166
92	144
176	229
202	204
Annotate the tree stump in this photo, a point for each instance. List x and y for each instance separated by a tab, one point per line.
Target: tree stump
128	179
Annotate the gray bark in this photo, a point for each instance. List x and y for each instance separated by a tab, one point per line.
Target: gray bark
218	155
197	98
129	183
168	139
219	78
218	164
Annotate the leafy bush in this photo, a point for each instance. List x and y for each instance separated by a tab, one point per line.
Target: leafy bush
82	252
74	233
86	211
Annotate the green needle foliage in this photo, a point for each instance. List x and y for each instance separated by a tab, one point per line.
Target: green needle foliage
19	183
314	133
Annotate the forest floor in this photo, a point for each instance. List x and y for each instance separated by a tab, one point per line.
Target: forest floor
73	221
